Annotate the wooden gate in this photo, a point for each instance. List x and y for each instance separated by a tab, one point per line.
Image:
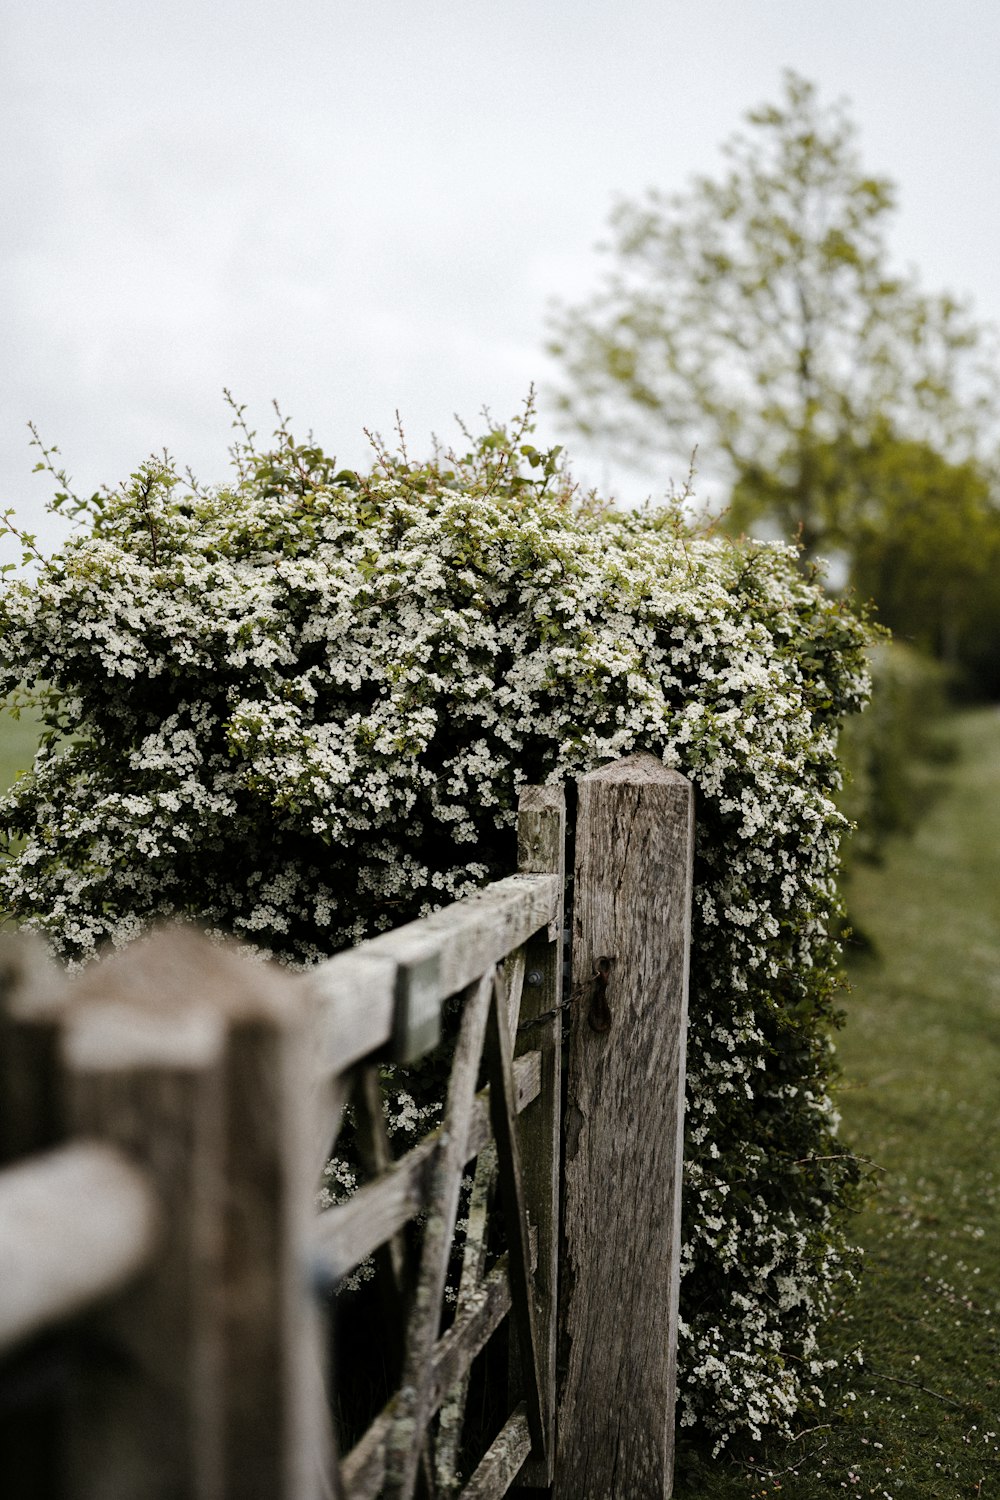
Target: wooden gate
167	1112
501	952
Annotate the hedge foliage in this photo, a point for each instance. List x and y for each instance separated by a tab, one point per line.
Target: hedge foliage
302	704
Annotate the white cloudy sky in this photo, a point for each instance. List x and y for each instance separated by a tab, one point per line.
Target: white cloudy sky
359	205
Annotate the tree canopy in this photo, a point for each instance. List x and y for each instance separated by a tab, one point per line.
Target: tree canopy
757	317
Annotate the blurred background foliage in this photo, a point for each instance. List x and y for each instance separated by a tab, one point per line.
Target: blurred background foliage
758	318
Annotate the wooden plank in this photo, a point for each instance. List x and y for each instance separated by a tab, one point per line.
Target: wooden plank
393	986
504	1118
632	899
32	1118
363	1469
217	1389
473	935
502	1461
414	1403
449	1434
276	1427
148	1078
76	1224
390	1258
353	995
343	1236
541	842
513	969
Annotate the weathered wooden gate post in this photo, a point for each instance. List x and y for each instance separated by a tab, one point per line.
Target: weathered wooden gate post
624	1131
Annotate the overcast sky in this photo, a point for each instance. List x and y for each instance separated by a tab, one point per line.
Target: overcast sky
359	205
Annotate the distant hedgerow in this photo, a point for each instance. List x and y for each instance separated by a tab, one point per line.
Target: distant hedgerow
300	705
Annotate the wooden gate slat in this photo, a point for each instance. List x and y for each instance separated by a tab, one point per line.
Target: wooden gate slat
504	1119
502	1461
363	1469
473	1261
345	1234
390	1255
476	933
83	1194
541	849
513	978
413	1412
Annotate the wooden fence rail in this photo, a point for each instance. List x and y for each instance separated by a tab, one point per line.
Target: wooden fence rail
166	1114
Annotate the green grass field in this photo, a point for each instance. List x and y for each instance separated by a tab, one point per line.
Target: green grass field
18	741
921	1097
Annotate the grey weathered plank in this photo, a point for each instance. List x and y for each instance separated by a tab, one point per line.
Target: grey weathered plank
276	1427
32	1118
390	1258
148	1078
393	986
344	1235
472	935
353	995
513	971
500	1464
376	1158
624	1127
76	1224
541	841
473	1260
504	1117
194	1060
414	1409
363	1469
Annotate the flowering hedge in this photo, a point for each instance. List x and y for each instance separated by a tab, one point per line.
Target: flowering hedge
302	706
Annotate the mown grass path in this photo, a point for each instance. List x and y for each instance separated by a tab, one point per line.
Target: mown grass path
920	1419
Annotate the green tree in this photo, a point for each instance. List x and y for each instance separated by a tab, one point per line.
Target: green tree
756	316
926	546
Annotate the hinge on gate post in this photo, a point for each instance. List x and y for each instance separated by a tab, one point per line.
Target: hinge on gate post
599	1013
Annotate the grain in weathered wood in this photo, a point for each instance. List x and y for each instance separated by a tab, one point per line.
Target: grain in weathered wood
228	1146
148	1078
504	1119
393	986
452	1417
541	842
472	935
389	1258
513	979
458	1347
76	1224
502	1461
632	899
541	846
344	1235
363	1469
414	1409
353	995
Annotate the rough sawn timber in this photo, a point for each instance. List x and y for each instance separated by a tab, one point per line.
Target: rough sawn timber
624	1128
